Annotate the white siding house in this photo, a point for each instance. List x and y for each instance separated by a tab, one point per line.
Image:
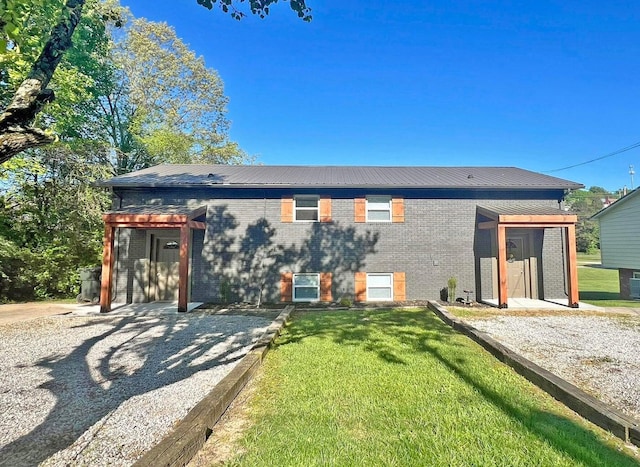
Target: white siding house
620	241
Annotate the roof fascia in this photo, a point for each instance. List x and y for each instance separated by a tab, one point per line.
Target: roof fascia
130	186
612	207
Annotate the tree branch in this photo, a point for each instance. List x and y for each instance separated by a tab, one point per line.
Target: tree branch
16	139
16	131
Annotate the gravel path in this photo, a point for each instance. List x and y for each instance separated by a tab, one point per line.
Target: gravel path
103	390
599	354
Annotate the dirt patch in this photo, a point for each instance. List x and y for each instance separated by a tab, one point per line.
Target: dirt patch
12	313
224	443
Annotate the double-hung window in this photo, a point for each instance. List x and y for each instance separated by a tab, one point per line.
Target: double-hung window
379	286
306	208
306	287
378	208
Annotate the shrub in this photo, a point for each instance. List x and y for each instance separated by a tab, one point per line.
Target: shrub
452	283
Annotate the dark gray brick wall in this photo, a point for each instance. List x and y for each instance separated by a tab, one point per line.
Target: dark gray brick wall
554	265
245	247
128	276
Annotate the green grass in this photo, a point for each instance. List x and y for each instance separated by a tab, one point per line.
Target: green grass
601	287
400	388
589	257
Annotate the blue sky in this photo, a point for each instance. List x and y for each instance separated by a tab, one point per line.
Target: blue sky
537	85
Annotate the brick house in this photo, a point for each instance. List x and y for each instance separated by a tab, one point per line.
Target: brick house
620	242
218	233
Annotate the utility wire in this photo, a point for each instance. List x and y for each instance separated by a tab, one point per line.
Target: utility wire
619	151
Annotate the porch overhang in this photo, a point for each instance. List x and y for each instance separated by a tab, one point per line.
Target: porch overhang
502	218
150	217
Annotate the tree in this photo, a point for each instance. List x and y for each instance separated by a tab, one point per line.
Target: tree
17	130
164	104
111	115
50	220
585	203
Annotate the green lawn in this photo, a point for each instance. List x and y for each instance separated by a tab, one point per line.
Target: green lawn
601	287
589	257
400	388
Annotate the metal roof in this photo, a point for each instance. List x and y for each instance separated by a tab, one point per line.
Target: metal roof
242	176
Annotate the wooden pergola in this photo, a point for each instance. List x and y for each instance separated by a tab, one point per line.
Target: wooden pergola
150	217
503	219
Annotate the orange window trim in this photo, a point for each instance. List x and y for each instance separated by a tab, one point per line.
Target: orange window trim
399	287
397	209
360	205
286	287
286	209
361	286
325	209
325	287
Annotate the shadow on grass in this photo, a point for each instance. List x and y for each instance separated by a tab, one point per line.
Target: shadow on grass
594	295
423	332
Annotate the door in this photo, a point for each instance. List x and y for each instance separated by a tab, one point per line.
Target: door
165	277
517	278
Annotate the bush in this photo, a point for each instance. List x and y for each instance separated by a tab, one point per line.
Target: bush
452	283
27	275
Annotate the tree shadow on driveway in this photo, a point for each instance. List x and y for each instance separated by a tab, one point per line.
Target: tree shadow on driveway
114	360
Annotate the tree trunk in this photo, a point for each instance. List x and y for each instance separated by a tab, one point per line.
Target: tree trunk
16	131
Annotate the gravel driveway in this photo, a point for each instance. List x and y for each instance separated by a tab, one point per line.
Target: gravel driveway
599	353
102	390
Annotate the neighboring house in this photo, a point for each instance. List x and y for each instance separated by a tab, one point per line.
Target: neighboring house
620	241
218	233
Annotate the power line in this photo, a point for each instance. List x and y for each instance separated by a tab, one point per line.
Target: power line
619	151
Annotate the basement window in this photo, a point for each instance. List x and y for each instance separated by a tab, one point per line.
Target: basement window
306	287
380	287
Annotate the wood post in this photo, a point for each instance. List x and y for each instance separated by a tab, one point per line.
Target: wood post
183	269
106	284
502	266
572	268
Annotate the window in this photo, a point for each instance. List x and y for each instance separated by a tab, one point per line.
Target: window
380	287
636	274
306	208
378	209
306	287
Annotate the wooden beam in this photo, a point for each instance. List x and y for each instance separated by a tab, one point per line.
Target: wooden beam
119	218
572	268
147	225
533	225
106	285
502	266
183	269
537	218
